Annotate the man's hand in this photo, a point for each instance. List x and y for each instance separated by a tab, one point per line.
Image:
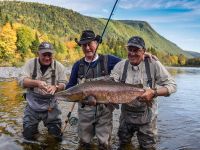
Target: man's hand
42	85
51	89
90	100
149	55
147	96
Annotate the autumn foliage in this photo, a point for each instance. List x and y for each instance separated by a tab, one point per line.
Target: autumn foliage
19	42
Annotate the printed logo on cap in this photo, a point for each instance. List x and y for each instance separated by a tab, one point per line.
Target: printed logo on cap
46	45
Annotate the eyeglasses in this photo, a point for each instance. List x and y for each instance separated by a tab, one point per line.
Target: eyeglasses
134	49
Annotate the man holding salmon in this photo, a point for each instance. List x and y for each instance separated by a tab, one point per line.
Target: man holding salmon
140	116
93	120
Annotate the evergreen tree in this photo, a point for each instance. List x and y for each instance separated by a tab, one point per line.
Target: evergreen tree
35	44
25	38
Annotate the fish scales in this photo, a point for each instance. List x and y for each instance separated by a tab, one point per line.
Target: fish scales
103	91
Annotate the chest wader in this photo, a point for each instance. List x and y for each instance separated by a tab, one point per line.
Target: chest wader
98	70
52	122
139	112
53	79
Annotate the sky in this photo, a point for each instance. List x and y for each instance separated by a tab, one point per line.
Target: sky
176	20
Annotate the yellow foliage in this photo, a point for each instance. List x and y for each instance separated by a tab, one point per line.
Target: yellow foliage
61	57
7	42
17	25
74	55
43	37
74	52
29	54
181	59
71	44
174	59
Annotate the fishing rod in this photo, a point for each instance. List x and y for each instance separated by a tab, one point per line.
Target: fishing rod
101	37
68	118
98	43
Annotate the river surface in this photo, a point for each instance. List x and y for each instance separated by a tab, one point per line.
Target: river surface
178	120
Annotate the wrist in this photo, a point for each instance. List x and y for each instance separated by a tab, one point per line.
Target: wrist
37	83
155	93
40	84
57	87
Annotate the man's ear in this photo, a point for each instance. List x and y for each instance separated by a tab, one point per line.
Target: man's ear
144	51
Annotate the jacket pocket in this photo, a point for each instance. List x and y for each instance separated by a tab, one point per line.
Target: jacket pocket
137	115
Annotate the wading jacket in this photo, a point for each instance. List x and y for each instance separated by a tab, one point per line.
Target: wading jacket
139	112
35	97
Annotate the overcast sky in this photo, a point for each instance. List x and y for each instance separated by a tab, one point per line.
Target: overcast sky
176	20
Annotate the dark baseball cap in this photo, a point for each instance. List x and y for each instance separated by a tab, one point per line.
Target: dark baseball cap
45	47
88	36
137	42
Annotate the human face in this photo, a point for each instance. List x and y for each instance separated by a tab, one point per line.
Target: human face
89	49
46	58
135	55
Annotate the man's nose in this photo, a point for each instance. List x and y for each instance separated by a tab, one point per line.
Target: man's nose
87	46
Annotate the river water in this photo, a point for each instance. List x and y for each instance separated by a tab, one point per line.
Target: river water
178	120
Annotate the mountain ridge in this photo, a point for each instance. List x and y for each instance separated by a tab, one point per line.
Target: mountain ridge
68	23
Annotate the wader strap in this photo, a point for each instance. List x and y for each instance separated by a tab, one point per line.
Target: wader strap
34	75
81	70
148	72
53	74
124	75
103	59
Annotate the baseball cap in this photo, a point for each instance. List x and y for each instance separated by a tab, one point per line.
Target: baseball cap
45	47
136	41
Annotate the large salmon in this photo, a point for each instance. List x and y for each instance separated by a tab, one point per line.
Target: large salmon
103	91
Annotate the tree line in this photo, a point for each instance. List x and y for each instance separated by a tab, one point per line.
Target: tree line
175	60
19	42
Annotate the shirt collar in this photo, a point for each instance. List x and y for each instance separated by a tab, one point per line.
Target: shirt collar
138	67
96	57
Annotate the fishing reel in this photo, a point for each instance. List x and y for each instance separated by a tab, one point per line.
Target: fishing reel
73	121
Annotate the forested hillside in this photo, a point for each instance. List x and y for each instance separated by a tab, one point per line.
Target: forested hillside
23	25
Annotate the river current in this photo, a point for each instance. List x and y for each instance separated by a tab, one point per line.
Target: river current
178	119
